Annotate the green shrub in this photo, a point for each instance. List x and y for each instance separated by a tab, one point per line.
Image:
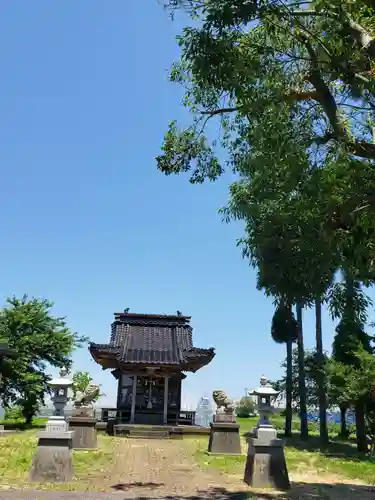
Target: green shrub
13	413
245	407
21	425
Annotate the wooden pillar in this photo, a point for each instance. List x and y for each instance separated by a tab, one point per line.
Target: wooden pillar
134	394
119	392
165	413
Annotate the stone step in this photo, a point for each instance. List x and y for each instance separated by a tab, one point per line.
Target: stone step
148	434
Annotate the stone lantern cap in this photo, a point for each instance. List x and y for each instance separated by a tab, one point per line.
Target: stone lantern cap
62	380
265	389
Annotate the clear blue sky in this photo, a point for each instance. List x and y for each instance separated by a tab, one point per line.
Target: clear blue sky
88	221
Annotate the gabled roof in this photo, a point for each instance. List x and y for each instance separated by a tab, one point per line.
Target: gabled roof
151	339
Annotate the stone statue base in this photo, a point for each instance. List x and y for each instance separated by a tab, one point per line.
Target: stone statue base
265	464
52	461
224	417
224	435
83	411
85	434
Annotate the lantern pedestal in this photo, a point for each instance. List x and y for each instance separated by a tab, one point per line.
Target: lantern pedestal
265	464
224	436
53	460
83	423
56	423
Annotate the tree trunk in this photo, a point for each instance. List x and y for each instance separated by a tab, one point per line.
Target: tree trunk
289	388
343	427
304	431
321	382
360	422
29	418
361	427
372	451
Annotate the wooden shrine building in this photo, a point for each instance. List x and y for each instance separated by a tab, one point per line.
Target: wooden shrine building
148	354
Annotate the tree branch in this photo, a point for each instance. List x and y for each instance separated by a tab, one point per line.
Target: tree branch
220	111
362	149
324	95
361	36
301	95
308	12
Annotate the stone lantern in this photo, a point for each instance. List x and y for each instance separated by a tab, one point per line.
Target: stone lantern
265	464
53	460
265	394
60	396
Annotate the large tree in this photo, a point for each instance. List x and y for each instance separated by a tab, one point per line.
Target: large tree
355	386
237	64
41	341
349	303
284	330
312	367
292	87
277	69
327	45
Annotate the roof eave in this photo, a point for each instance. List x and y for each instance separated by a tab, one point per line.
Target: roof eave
202	359
105	355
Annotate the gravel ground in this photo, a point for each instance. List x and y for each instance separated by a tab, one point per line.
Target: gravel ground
143	469
56	495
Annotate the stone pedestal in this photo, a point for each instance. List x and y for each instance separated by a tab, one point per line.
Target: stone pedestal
224	436
52	461
265	464
56	423
85	435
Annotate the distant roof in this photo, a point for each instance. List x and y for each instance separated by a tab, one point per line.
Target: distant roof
151	339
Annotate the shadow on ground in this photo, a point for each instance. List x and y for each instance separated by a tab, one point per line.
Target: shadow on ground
137	484
300	491
339	449
346	450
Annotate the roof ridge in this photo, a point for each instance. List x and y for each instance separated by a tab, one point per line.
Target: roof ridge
157	318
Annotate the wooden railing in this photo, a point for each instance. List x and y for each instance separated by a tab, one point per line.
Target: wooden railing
183	417
115	414
186	418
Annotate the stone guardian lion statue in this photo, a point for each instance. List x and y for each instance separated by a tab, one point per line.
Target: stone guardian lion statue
87	397
223	403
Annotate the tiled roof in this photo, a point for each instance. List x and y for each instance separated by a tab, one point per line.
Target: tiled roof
152	339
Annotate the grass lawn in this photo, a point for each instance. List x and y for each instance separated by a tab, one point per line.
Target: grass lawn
339	458
90	467
97	470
